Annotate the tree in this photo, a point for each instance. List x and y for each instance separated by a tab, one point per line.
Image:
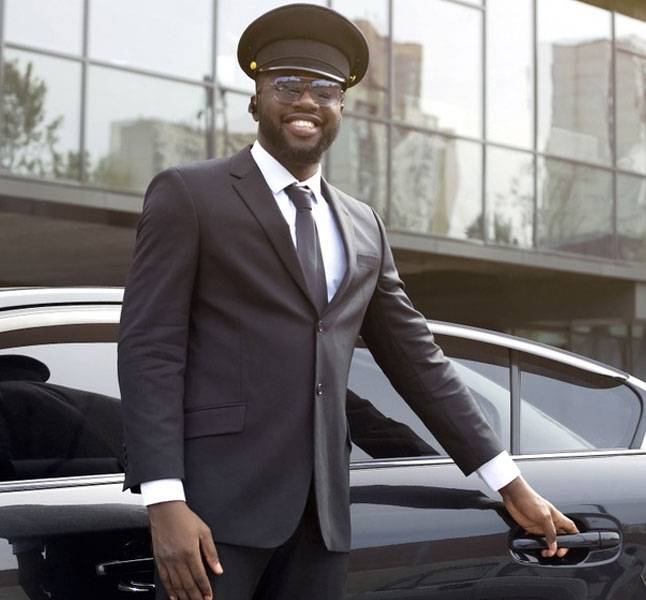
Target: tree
28	142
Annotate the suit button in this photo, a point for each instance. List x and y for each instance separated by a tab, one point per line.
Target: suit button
319	389
319	327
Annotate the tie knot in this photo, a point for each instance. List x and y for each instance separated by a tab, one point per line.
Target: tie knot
300	196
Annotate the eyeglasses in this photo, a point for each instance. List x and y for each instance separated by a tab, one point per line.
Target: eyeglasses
289	88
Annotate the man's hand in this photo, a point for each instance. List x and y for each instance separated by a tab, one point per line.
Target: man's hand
180	540
536	515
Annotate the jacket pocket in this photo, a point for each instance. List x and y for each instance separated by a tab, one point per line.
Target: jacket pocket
214	420
367	260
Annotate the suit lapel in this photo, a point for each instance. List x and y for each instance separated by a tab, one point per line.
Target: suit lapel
254	191
347	233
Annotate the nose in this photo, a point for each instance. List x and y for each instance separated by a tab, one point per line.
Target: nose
305	99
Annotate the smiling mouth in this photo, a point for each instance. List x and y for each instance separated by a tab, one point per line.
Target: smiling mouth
302	127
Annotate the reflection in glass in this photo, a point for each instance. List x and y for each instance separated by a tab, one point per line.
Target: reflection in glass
575	208
574	94
175	41
57	419
51	25
232	20
371	16
631	217
510	197
631	93
437	185
437	51
162	124
235	127
510	95
566	410
41	109
357	162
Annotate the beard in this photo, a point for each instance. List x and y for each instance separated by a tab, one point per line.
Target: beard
287	153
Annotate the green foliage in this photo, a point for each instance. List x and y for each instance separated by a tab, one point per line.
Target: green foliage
29	141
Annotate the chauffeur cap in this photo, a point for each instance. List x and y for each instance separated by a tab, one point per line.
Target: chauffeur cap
308	38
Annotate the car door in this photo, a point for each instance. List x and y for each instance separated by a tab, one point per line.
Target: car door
423	530
67	531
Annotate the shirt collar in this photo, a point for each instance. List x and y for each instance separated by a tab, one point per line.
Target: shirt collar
277	176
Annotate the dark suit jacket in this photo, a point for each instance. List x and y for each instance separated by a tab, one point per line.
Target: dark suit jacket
230	379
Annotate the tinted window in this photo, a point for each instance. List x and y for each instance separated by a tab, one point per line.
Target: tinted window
564	409
382	425
59	411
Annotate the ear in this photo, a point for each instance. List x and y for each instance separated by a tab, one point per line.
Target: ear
252	108
342	106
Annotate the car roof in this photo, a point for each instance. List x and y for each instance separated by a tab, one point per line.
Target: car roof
28	297
526	346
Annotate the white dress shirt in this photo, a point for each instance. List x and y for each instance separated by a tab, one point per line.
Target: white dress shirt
496	473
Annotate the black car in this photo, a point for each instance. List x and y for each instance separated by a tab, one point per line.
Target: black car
421	530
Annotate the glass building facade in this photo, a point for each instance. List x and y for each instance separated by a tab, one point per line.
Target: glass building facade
502	141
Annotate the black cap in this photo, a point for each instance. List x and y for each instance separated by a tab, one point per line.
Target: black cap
305	37
17	367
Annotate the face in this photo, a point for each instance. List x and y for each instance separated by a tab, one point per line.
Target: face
296	133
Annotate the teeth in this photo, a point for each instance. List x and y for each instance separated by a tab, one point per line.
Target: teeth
303	123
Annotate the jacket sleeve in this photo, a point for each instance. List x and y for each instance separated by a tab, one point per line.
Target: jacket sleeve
154	331
404	348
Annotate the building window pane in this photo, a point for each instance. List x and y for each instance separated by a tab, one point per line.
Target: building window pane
437	52
51	25
575	208
357	162
510	79
235	128
162	124
638	350
631	93
510	197
232	20
575	100
631	217
41	101
605	342
154	34
371	16
437	185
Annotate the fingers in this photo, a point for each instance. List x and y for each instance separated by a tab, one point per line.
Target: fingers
187	578
550	535
564	524
209	552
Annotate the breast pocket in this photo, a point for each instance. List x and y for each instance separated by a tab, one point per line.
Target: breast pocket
214	420
367	261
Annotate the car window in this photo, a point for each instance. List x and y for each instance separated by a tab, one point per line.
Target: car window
382	425
567	410
60	411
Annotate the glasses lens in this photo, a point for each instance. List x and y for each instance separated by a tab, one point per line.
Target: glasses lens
288	89
326	92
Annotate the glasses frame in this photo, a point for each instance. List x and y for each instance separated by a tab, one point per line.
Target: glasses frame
306	84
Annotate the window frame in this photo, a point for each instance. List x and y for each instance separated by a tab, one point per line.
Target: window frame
59	323
517	348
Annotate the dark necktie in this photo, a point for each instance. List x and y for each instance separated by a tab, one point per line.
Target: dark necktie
308	248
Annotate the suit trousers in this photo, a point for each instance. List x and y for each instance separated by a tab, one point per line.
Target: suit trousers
301	568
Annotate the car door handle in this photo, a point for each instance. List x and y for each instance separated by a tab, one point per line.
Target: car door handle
128	572
590	540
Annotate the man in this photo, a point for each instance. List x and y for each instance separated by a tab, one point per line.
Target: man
251	279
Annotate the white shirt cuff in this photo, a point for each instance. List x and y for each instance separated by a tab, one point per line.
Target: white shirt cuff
162	490
499	471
